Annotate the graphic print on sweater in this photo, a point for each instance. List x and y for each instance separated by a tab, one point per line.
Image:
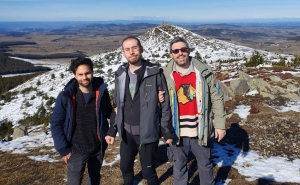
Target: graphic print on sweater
186	93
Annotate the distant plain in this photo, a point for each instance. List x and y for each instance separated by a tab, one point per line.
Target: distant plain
94	39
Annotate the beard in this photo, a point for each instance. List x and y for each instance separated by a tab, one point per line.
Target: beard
86	83
181	61
134	60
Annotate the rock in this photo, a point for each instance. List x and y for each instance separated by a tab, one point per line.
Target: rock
277	89
292	88
242	88
258	83
291	96
19	132
275	78
267	95
7	138
297	75
244	76
36	133
234	83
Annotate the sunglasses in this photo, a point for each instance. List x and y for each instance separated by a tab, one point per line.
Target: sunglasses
183	50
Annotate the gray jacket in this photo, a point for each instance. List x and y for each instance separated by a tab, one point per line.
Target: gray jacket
155	118
209	98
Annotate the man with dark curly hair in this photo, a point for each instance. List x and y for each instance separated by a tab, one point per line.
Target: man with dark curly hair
79	122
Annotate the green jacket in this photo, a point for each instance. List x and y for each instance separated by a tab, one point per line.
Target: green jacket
209	98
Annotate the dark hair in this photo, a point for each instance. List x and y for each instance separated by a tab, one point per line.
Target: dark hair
132	37
75	63
178	39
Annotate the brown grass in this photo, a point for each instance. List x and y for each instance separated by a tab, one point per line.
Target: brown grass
263	123
18	169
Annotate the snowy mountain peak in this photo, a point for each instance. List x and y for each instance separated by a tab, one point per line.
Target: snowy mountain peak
164	33
156	49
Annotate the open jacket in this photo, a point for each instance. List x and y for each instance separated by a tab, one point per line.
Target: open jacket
209	99
62	120
155	117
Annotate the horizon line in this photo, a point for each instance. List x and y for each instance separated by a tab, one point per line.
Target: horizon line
278	19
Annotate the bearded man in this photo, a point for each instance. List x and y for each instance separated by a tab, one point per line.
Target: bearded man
79	122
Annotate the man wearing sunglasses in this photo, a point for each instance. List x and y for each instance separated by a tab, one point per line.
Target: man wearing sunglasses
195	97
140	116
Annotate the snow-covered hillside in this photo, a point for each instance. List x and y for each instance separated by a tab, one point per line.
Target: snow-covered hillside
156	49
156	45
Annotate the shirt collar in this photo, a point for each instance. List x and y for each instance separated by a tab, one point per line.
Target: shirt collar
189	71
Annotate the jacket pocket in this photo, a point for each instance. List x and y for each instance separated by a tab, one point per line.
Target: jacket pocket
67	127
148	92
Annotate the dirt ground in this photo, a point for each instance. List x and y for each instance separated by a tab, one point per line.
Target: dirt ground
19	169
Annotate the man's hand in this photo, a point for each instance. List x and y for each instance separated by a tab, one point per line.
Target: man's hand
110	140
67	157
220	133
169	141
116	110
161	97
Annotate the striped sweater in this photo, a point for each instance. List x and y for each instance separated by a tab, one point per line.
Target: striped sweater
187	105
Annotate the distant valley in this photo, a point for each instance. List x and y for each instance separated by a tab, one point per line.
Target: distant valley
62	43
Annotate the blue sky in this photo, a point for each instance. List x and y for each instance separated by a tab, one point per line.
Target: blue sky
162	10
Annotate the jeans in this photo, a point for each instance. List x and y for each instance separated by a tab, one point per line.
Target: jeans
203	157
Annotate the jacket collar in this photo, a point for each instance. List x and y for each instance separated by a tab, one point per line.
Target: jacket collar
72	85
147	68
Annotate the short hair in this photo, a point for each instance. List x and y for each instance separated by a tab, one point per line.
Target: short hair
132	37
75	63
178	39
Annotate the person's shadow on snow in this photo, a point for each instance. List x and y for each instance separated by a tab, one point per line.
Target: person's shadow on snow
225	153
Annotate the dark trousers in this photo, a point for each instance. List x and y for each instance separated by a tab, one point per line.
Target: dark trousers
203	157
130	146
76	167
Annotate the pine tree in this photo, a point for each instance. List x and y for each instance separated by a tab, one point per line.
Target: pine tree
255	60
198	56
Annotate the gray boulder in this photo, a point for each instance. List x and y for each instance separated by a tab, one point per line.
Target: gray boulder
292	88
19	132
275	78
242	88
244	76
